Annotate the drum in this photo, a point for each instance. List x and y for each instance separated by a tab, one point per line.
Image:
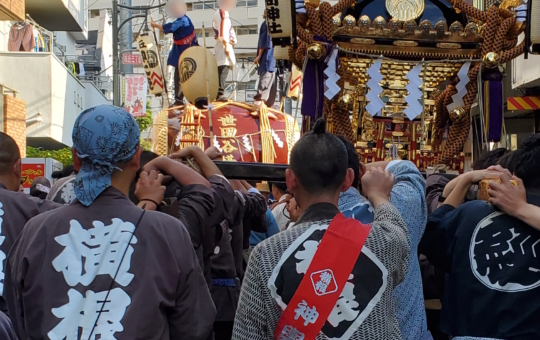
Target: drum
238	133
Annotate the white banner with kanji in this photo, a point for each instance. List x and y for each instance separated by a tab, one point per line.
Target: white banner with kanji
135	94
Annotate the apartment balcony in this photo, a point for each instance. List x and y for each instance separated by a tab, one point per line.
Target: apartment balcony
54	96
11	9
60	15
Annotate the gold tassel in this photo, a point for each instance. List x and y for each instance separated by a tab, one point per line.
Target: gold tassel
267	141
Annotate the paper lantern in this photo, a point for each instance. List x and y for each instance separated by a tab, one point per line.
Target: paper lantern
193	77
152	63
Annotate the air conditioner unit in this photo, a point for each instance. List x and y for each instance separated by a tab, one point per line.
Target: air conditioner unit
533	26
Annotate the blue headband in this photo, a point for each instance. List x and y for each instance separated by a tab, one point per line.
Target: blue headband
103	136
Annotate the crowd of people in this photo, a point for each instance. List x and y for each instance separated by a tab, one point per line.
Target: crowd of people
129	245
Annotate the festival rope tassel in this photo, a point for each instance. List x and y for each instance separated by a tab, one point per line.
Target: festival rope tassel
500	33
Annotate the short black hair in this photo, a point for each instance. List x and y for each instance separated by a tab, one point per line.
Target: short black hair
9	153
507	161
146	157
353	160
319	160
66	172
35	192
489	158
527	162
281	186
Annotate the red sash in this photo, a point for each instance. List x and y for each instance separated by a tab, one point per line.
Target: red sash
326	277
187	40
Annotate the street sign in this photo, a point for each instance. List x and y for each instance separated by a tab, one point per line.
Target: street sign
132	59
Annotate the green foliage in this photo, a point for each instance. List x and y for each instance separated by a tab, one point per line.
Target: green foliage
145	122
146	144
62	155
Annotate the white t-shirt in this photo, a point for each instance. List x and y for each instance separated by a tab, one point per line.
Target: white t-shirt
281	214
222	24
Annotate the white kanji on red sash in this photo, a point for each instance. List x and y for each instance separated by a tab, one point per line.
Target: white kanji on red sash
101	247
291	333
324	282
309	314
82	312
2	254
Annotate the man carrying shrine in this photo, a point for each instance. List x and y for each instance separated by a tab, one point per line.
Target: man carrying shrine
409	198
328	276
16	208
491	257
103	268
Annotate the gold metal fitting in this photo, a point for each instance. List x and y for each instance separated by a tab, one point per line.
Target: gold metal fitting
349	21
492	60
336	20
457	113
346	99
316	51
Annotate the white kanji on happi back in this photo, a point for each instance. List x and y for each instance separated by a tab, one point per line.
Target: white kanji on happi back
306	256
68	194
101	247
82	313
345	305
2	254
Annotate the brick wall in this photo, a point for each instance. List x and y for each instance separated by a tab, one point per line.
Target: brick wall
15	121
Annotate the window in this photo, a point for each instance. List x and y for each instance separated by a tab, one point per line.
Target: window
189	6
246	30
247	3
205	5
198	33
246	86
94	13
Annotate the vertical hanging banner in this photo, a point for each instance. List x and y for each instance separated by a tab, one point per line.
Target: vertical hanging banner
135	94
152	64
280	18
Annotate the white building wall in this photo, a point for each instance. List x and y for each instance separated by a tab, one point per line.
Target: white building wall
68	40
50	92
23	72
104	41
5	26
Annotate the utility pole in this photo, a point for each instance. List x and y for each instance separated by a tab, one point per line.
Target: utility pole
116	79
117	101
126	38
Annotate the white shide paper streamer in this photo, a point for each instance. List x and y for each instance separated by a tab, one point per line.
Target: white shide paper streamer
375	102
461	87
415	108
331	82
